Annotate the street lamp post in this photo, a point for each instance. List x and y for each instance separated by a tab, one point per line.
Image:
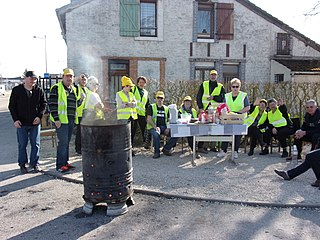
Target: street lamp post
45	49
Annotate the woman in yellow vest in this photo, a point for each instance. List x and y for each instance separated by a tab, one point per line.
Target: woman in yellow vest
93	108
126	103
186	107
279	125
142	97
237	102
256	118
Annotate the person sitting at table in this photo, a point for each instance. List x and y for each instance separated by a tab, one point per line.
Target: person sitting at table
186	107
238	102
279	125
157	119
256	118
310	129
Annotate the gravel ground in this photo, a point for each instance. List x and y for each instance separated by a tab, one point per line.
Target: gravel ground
252	179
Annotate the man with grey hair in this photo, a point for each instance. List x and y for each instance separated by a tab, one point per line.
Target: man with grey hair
310	129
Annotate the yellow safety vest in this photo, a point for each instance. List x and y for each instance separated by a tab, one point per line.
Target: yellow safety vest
81	106
62	104
238	104
98	112
194	112
141	101
155	114
216	92
126	112
276	118
250	119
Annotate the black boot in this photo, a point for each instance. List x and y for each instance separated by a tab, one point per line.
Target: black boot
265	151
250	153
284	153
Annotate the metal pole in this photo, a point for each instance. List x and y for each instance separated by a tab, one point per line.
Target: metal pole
45	52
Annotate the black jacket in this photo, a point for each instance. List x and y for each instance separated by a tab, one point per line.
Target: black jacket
24	108
311	124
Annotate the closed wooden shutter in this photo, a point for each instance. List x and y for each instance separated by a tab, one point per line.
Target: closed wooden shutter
224	21
129	18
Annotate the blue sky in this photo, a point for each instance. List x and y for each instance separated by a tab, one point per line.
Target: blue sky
19	50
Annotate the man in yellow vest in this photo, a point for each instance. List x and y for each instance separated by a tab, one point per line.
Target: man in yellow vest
157	119
63	112
142	98
279	125
81	91
210	91
256	118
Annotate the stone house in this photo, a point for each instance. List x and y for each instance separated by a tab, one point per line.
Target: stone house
183	40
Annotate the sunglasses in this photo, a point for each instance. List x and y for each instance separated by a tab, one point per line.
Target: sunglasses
235	86
159	97
128	86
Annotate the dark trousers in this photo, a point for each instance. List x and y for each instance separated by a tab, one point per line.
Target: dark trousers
255	135
282	135
142	121
313	139
77	141
224	145
312	161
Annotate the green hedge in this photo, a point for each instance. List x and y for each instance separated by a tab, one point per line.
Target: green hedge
294	95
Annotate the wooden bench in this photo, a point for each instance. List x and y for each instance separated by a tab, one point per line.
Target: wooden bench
47	129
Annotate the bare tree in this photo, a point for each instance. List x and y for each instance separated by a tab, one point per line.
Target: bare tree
315	10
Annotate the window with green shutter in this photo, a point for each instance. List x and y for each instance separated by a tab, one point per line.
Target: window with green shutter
129	18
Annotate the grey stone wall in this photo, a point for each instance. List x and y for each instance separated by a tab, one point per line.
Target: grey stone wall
92	31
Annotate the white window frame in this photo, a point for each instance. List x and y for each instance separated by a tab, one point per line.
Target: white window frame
160	25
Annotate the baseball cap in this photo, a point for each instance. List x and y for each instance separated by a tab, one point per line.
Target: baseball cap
31	74
187	98
68	71
160	94
264	101
213	72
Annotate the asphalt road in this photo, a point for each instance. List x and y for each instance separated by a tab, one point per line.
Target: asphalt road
37	206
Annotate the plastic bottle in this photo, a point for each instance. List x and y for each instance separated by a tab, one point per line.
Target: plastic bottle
210	113
217	119
202	117
294	150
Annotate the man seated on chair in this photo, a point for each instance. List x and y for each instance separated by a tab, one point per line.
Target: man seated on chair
312	161
186	107
310	129
157	119
279	125
255	121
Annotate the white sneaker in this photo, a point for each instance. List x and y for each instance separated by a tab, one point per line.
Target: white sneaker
235	154
221	154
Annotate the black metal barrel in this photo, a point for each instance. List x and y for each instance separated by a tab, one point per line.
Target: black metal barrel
106	163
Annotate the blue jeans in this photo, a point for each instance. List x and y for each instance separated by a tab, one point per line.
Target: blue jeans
64	134
33	133
156	140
